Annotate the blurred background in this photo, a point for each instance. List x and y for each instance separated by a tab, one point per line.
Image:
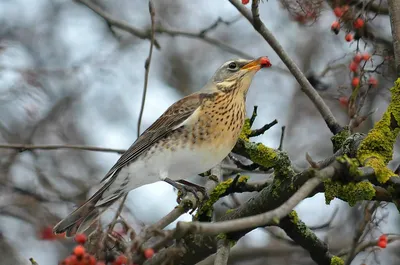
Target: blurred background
67	76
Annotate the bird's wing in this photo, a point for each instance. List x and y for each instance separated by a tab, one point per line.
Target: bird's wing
166	123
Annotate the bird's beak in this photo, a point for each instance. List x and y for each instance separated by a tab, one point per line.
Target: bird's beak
257	64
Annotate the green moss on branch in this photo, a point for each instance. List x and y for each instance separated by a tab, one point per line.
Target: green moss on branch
207	208
351	192
376	150
335	260
339	138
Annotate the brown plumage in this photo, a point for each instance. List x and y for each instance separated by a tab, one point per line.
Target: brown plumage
192	136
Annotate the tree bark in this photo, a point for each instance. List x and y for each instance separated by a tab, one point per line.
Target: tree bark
394	12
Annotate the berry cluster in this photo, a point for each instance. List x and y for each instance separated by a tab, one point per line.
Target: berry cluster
382	241
79	255
343	15
355	67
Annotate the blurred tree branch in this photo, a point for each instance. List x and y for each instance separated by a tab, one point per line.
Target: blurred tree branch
254	18
27	147
394	9
147	66
118	23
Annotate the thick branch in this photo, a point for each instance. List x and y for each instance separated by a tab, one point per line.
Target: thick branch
255	220
294	69
306	238
394	12
223	250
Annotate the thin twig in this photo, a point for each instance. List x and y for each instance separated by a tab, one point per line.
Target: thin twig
262	130
118	23
25	147
217	22
113	222
360	231
204	38
253	115
147	65
239	164
254	18
280	148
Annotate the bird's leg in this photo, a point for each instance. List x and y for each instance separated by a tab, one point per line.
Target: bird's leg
184	187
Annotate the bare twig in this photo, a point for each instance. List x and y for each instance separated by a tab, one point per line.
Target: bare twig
239	164
360	231
147	65
254	18
223	250
280	148
25	147
253	115
257	132
147	35
113	222
217	22
118	23
204	38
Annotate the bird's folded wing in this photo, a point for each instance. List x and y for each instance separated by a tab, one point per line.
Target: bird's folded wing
166	123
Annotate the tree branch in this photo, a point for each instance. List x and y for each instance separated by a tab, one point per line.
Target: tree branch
147	65
256	220
118	23
394	13
307	88
25	147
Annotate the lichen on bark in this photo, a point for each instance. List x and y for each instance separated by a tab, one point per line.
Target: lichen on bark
376	150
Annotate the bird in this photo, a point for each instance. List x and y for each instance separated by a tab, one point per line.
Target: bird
192	136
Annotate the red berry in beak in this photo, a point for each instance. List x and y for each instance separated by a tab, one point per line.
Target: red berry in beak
265	62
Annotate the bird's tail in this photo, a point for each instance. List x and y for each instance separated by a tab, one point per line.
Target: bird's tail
83	217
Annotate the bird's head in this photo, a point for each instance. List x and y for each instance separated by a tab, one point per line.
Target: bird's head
238	74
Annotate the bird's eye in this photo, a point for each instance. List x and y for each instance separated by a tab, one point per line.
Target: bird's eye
232	66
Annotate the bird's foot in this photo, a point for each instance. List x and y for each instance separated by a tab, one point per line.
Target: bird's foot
184	187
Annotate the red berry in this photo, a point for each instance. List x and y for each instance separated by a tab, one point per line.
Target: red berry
338	11
245	2
79	251
353	66
383	238
335	27
47	233
357	58
344	101
372	81
80	239
265	62
355	82
348	37
148	253
366	56
100	263
121	260
89	259
73	260
358	23
382	244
